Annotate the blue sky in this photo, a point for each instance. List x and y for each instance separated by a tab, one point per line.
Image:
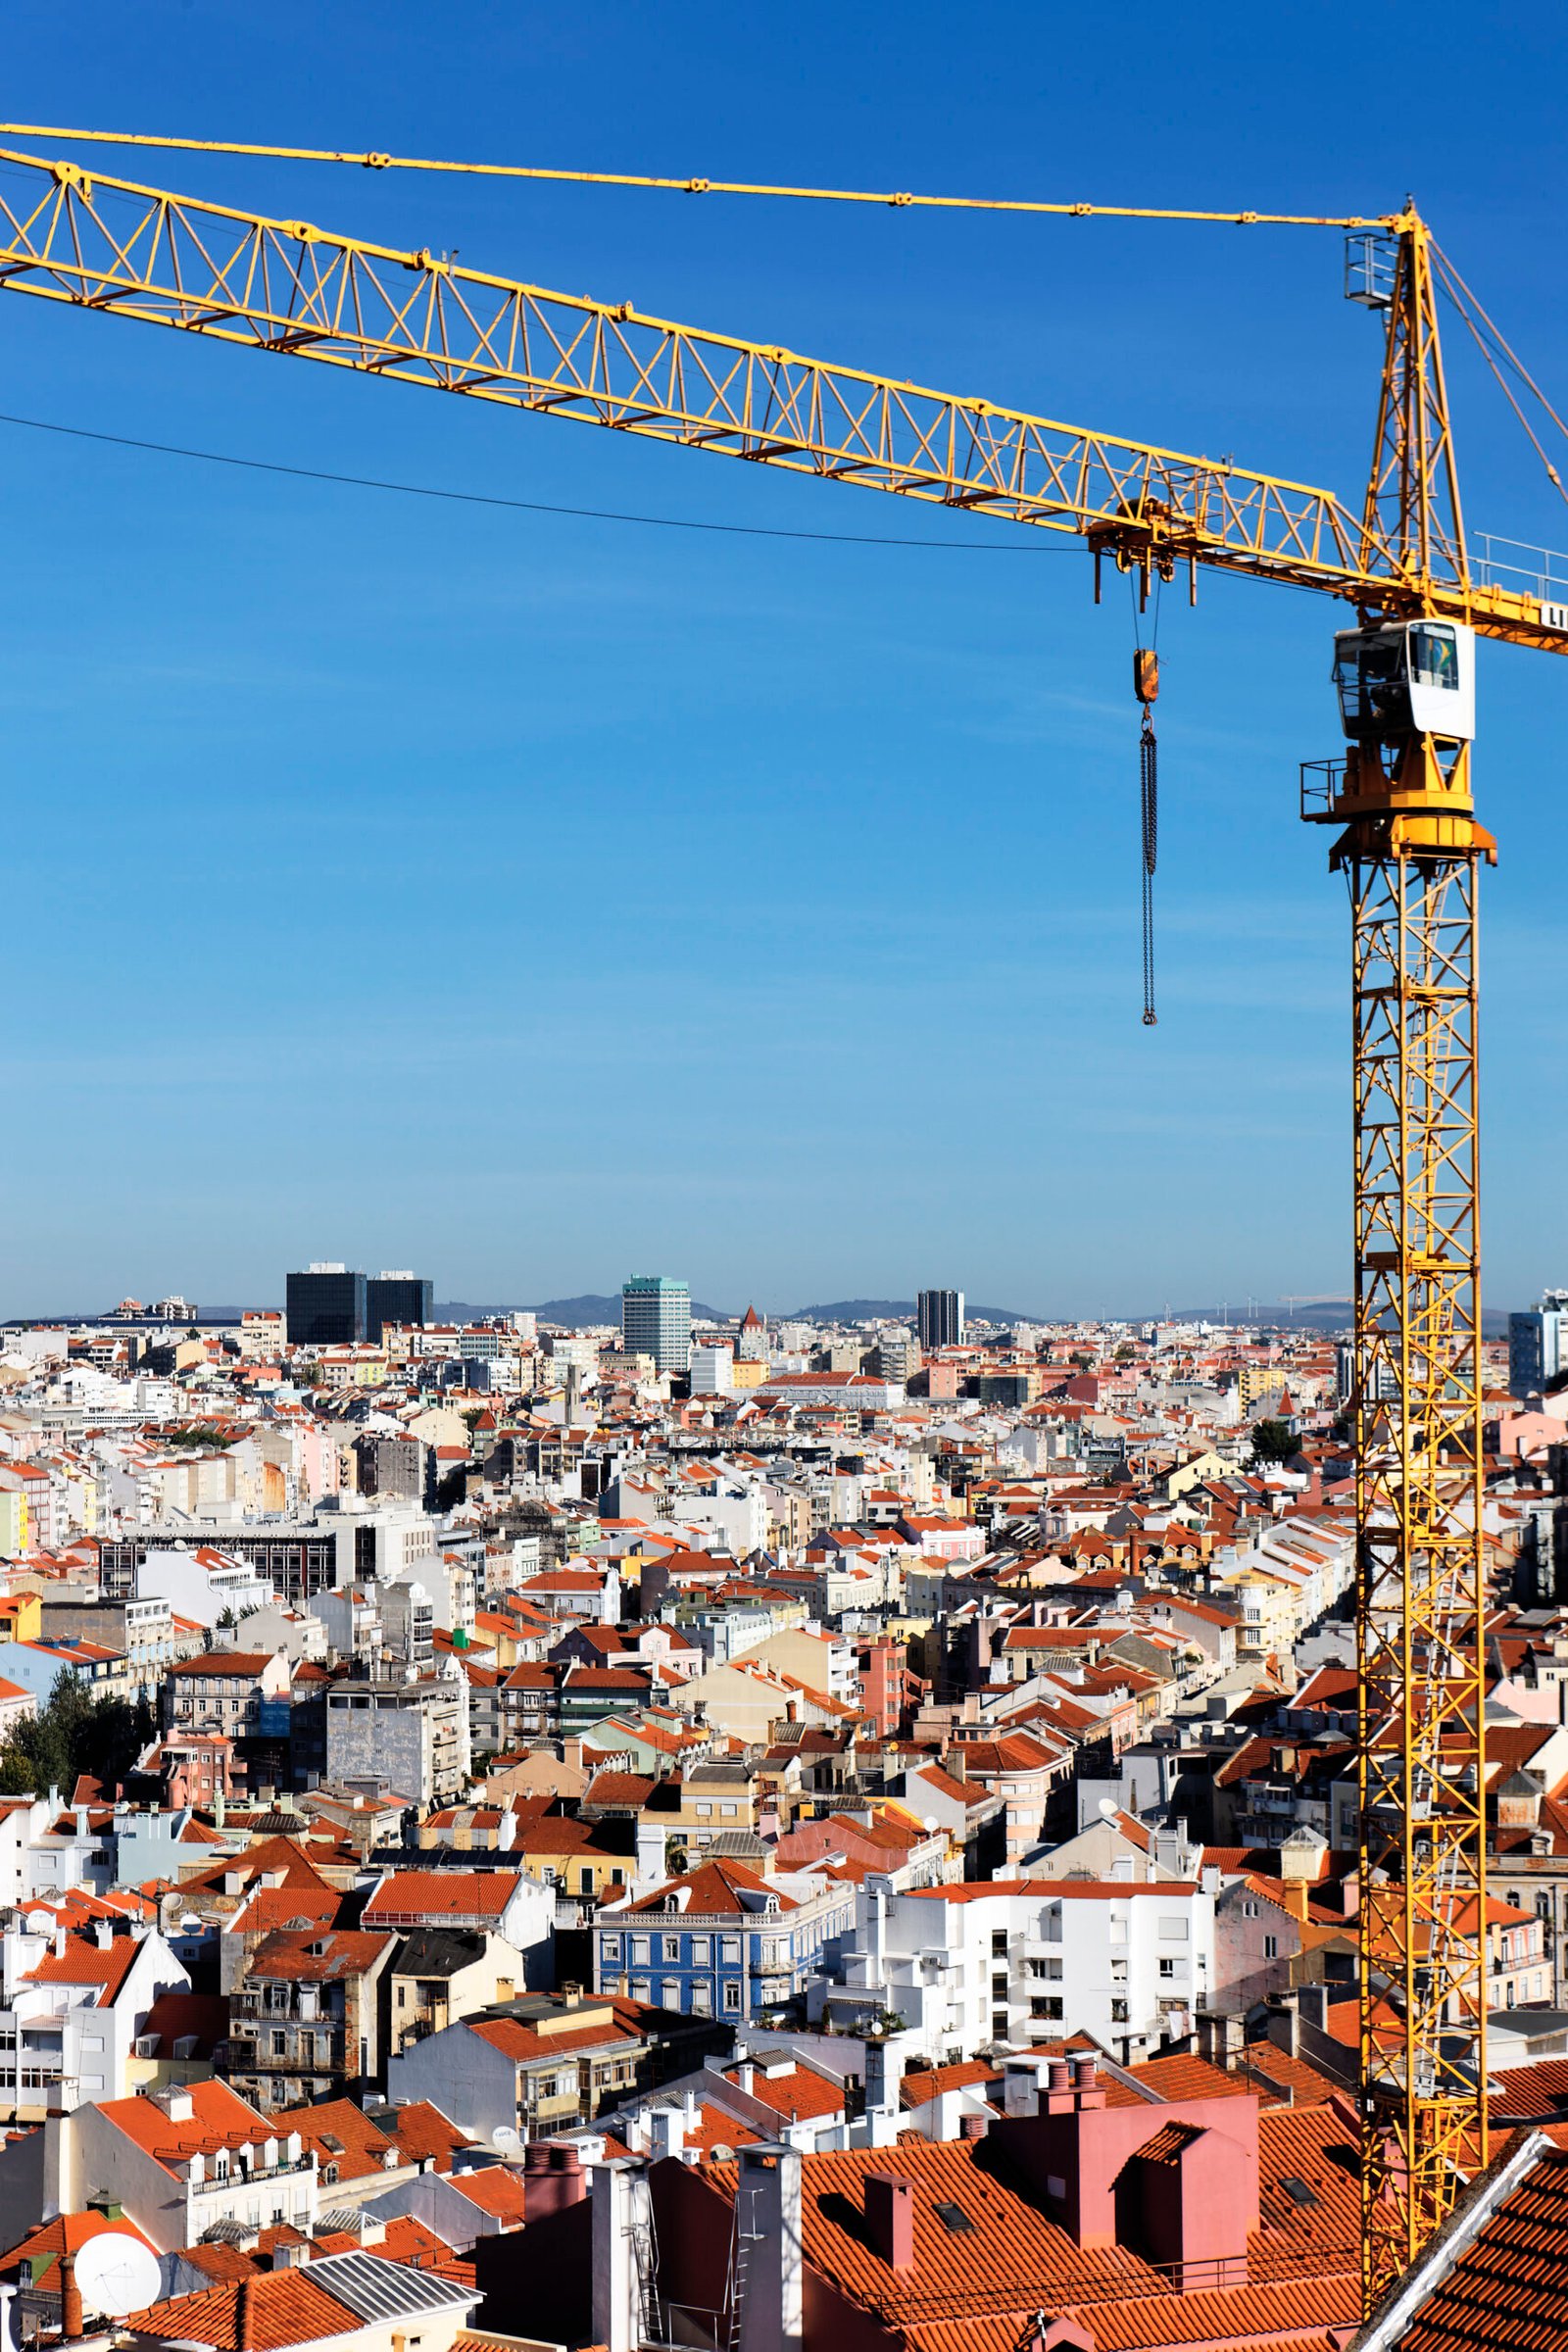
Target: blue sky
531	899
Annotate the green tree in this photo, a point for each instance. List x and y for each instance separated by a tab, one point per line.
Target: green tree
73	1733
1274	1442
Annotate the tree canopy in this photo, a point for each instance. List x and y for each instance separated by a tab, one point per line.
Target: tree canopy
73	1733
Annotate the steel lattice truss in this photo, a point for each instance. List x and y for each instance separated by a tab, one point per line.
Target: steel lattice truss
1418	1383
285	287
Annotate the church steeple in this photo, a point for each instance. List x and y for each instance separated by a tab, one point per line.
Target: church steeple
752	1343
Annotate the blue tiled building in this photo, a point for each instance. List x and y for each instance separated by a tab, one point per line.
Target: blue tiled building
721	1942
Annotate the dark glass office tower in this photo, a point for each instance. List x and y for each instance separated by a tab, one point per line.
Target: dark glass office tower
396	1299
325	1308
940	1315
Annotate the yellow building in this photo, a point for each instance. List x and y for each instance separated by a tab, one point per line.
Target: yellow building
14	1531
21	1613
1195	1471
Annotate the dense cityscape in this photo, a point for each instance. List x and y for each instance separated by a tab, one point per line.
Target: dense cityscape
646	1824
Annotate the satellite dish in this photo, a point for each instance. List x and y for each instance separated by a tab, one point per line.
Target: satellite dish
503	2136
118	2273
722	2153
1109	1808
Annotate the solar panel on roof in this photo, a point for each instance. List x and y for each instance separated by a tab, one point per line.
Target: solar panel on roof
375	2289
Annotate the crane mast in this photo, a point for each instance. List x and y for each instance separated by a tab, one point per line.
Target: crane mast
1411	852
1408	843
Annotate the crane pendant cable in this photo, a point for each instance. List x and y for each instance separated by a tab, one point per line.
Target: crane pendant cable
1145	686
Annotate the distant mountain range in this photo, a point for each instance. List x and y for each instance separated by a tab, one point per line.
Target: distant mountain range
1315	1315
594	1307
577	1314
886	1311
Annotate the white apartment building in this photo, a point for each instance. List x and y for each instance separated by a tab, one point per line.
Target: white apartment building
712	1371
1017	1962
75	2003
180	2161
202	1582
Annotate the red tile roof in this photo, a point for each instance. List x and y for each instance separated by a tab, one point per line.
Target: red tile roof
219	2119
1180	2077
427	1896
420	2130
86	1961
796	2093
272	1907
719	1888
318	1956
279	2309
1508	2290
1012	2259
494	2190
67	2234
921	2084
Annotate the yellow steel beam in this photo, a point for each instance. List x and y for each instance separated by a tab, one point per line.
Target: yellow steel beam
113	245
900	198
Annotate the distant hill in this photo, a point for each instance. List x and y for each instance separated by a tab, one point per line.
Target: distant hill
593	1307
577	1314
1316	1314
885	1311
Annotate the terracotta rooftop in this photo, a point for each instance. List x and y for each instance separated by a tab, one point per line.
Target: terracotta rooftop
219	2119
1008	2258
1507	2291
425	1897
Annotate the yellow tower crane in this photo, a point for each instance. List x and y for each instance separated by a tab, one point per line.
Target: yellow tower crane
1407	838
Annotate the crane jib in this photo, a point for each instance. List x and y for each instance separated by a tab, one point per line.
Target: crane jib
287	286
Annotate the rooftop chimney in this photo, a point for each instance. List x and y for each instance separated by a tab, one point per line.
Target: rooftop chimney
552	2178
69	2297
890	2219
1085	2084
1221	2037
772	2315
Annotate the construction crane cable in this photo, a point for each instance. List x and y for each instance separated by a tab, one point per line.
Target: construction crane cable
1149	792
899	199
527	505
1458	288
1145	686
1451	283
